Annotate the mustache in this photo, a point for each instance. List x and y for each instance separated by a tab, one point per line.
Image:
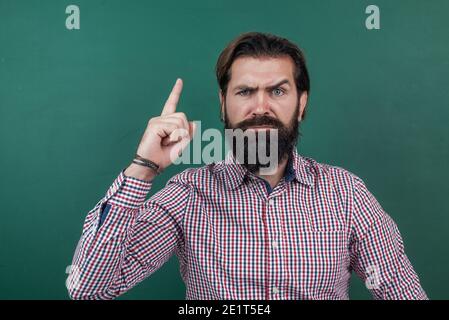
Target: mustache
259	121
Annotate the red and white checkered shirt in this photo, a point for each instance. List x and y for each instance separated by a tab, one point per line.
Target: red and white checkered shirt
237	239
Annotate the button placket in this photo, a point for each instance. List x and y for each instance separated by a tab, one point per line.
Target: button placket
274	244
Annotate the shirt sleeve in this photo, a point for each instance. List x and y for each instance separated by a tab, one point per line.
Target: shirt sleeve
125	238
377	251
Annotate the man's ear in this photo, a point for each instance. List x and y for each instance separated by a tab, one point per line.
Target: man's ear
302	104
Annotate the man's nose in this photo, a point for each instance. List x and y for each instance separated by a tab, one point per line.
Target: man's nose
261	104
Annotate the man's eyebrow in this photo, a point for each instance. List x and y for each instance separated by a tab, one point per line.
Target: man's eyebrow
280	83
244	86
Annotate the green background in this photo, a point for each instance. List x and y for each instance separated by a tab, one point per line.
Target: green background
74	104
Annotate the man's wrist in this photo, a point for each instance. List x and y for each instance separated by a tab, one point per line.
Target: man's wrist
140	172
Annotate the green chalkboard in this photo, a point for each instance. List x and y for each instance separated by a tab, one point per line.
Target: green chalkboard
74	104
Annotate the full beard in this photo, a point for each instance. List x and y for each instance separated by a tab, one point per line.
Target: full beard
287	137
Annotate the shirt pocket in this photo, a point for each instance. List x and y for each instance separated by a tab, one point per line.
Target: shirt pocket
320	261
326	220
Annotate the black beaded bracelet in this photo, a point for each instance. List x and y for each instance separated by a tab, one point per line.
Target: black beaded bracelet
146	163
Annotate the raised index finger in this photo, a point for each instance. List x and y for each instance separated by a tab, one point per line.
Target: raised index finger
173	98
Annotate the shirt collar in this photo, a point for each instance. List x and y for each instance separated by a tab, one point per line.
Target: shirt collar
233	173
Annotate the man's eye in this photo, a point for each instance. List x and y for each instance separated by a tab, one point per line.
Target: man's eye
278	92
243	93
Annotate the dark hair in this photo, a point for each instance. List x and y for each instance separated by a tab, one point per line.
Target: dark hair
258	45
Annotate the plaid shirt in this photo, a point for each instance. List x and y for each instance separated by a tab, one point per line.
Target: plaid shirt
235	238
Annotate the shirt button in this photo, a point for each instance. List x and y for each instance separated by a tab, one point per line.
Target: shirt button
275	290
274	244
270	202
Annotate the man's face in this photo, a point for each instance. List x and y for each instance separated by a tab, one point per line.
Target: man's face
262	93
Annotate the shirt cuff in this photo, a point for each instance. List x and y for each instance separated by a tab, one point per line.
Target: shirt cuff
128	192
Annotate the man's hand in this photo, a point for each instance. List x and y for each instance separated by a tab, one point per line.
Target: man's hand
164	138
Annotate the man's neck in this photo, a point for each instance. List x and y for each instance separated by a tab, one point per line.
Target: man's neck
273	179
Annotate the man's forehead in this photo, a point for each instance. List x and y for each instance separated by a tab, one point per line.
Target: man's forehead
261	71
